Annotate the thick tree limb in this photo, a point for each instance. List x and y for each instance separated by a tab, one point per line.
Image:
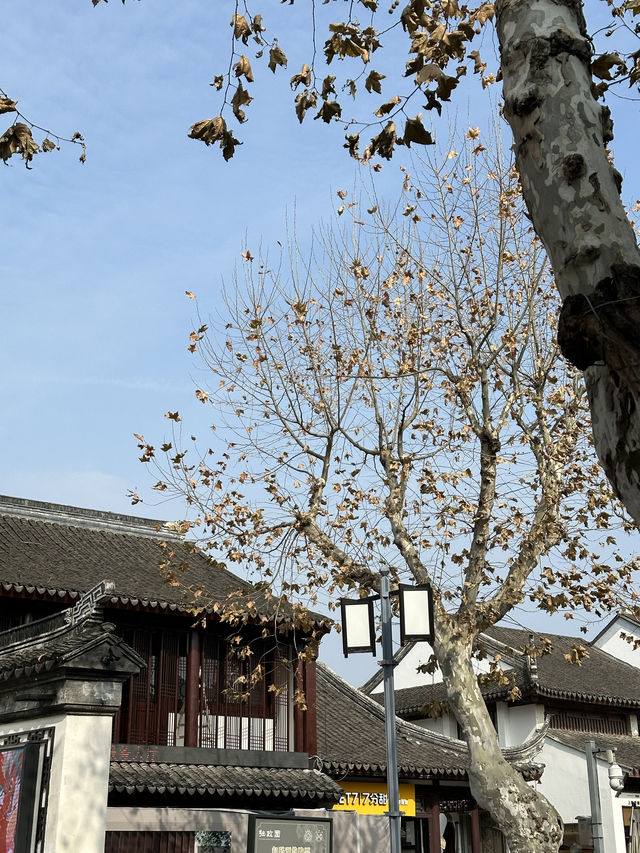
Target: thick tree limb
358	573
573	195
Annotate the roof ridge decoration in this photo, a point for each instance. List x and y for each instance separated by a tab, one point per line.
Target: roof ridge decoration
94	519
86	610
508	653
525	752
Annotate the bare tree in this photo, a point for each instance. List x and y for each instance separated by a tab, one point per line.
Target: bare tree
396	397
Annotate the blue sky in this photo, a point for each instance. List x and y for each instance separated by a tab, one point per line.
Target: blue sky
96	258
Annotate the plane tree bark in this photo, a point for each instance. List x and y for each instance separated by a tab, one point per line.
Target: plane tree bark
572	192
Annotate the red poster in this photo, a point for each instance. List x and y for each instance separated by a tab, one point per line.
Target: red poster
11	767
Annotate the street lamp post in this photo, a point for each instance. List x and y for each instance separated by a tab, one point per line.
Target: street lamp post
395	816
358	635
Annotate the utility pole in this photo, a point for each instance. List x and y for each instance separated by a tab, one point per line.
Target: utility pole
594	797
616	783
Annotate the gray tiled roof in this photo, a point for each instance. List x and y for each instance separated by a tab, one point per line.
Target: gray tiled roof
600	679
351	736
351	739
59	551
411	701
45	653
73	636
309	787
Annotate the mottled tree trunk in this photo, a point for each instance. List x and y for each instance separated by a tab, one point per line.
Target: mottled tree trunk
573	196
529	823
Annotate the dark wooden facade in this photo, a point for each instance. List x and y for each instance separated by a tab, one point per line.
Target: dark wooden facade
204	688
200	686
199	689
149	842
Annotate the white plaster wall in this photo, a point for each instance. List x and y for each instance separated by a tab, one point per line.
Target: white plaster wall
564	783
503	724
482	667
516	724
450	726
431	725
406	672
78	787
612	806
611	642
444	725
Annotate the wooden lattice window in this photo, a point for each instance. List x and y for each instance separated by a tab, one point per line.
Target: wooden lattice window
153	700
236	711
575	720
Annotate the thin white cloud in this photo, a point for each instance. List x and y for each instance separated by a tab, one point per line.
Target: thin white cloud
18	378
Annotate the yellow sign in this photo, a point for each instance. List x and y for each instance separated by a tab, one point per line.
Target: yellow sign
373	798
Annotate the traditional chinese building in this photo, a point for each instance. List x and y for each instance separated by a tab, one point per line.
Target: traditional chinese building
432	772
135	714
191	738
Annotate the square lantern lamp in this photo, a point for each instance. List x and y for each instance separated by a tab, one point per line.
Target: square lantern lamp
358	631
416	613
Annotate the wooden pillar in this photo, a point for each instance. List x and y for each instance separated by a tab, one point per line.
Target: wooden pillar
433	812
192	691
305	722
311	714
474	814
298	713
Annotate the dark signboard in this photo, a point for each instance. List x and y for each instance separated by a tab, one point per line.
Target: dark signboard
271	834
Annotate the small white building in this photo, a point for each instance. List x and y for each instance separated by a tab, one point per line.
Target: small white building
594	699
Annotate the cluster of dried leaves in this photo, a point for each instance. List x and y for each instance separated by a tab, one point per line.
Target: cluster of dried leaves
18	138
441	39
441	44
438	34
